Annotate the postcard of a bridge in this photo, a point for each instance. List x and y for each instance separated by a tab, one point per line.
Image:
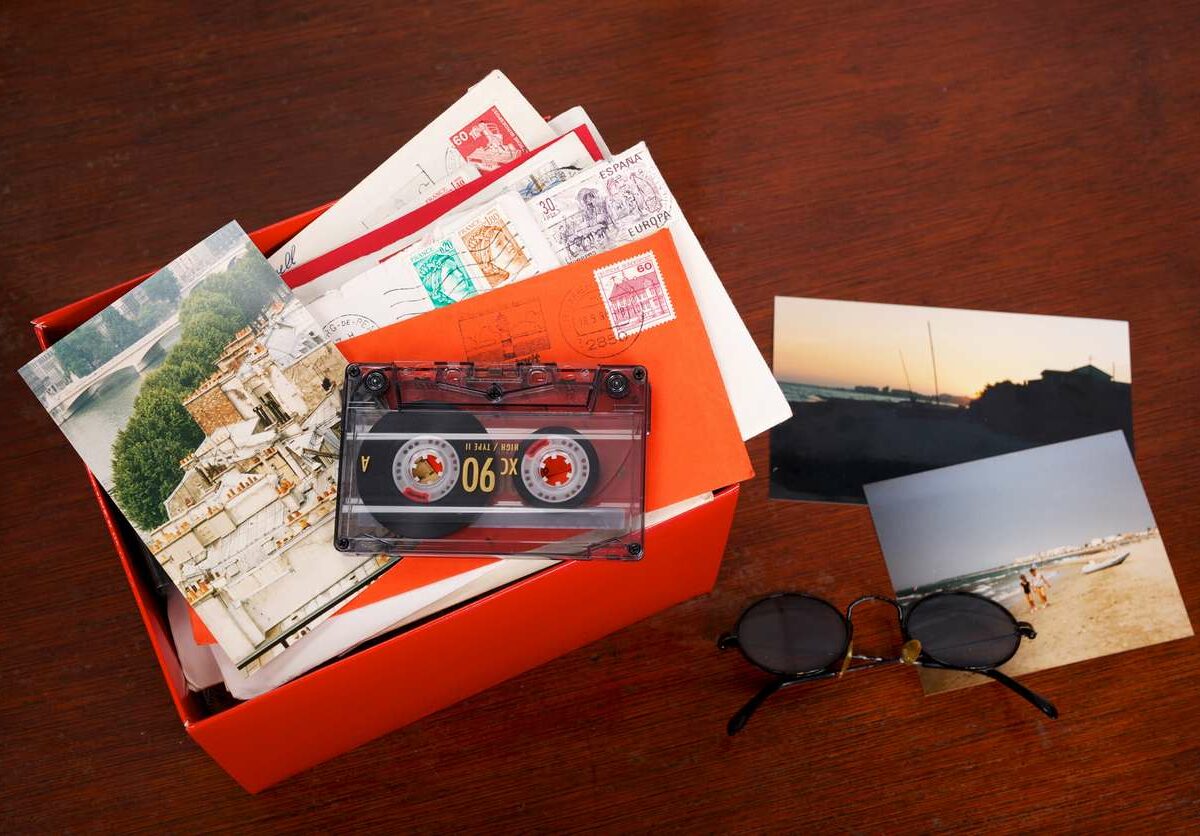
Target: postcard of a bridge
207	403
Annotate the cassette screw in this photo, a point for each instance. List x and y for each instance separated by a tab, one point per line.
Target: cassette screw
639	374
495	393
343	544
375	382
353	371
634	549
617	385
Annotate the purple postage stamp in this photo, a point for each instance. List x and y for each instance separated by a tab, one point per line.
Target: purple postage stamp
635	295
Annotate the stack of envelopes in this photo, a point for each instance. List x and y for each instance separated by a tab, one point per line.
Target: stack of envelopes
493	235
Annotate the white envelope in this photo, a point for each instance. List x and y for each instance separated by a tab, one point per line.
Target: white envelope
489	126
758	402
568	150
569	120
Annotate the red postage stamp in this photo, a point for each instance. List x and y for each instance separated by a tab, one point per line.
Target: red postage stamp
635	296
488	141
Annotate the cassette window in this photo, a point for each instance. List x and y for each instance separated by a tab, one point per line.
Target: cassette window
509	460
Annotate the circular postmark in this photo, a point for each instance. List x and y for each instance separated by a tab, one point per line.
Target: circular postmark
345	326
586	325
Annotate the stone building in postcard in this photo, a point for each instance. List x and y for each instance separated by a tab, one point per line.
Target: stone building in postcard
249	535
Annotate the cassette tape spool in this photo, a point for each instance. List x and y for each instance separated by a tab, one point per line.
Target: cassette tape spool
525	460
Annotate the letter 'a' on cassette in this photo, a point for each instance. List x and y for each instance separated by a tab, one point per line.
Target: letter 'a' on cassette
511	460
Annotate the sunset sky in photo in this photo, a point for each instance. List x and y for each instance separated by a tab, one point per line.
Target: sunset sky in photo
847	344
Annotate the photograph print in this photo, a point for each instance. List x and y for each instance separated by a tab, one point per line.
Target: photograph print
881	391
1061	535
207	404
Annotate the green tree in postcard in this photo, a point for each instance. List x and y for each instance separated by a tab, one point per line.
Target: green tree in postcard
206	302
73	355
163	286
147	452
249	285
121	332
85	349
161	432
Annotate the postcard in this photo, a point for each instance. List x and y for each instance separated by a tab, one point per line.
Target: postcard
206	402
882	391
1061	535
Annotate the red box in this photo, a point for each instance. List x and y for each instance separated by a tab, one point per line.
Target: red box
455	654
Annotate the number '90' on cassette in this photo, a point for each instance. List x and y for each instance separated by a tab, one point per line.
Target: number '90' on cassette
525	460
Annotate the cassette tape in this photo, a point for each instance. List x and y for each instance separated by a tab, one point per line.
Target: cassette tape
520	460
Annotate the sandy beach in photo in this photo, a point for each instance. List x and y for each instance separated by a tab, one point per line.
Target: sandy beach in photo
1121	608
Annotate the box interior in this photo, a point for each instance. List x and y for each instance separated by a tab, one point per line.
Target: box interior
194	709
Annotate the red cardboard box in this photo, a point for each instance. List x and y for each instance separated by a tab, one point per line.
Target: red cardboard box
455	654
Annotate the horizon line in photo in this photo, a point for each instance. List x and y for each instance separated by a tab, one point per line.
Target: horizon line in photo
946	351
969	518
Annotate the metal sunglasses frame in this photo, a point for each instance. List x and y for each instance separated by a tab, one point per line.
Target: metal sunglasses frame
911	653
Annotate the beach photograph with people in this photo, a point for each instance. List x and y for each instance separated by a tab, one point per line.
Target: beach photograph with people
1061	535
881	391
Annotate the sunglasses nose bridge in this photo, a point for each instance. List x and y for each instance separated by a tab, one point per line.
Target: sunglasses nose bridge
849	618
894	603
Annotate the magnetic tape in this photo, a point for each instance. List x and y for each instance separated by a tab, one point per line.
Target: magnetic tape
524	460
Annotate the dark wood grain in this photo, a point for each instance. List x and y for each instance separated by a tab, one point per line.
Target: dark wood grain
1029	156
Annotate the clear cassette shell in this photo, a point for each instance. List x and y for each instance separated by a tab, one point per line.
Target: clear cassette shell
525	460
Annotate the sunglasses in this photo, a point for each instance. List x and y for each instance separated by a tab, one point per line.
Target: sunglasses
801	638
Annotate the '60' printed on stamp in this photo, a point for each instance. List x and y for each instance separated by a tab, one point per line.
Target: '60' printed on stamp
635	295
488	141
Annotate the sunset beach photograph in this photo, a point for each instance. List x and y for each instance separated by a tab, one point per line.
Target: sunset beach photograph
1060	535
881	391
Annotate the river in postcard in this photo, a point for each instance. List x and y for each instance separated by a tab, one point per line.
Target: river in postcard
94	425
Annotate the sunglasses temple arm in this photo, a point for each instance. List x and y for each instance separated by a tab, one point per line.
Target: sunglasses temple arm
739	720
1044	705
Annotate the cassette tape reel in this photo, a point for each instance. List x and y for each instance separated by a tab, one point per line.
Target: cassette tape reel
510	460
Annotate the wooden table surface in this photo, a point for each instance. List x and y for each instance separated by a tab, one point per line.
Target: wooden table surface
1023	156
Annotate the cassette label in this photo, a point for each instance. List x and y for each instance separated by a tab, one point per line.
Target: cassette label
525	460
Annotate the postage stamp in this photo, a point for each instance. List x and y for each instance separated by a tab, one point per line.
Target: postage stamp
488	141
442	272
635	296
493	246
607	205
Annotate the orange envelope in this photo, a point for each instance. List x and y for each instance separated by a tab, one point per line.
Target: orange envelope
631	305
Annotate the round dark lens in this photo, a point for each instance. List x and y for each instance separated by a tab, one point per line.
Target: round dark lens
964	630
792	634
